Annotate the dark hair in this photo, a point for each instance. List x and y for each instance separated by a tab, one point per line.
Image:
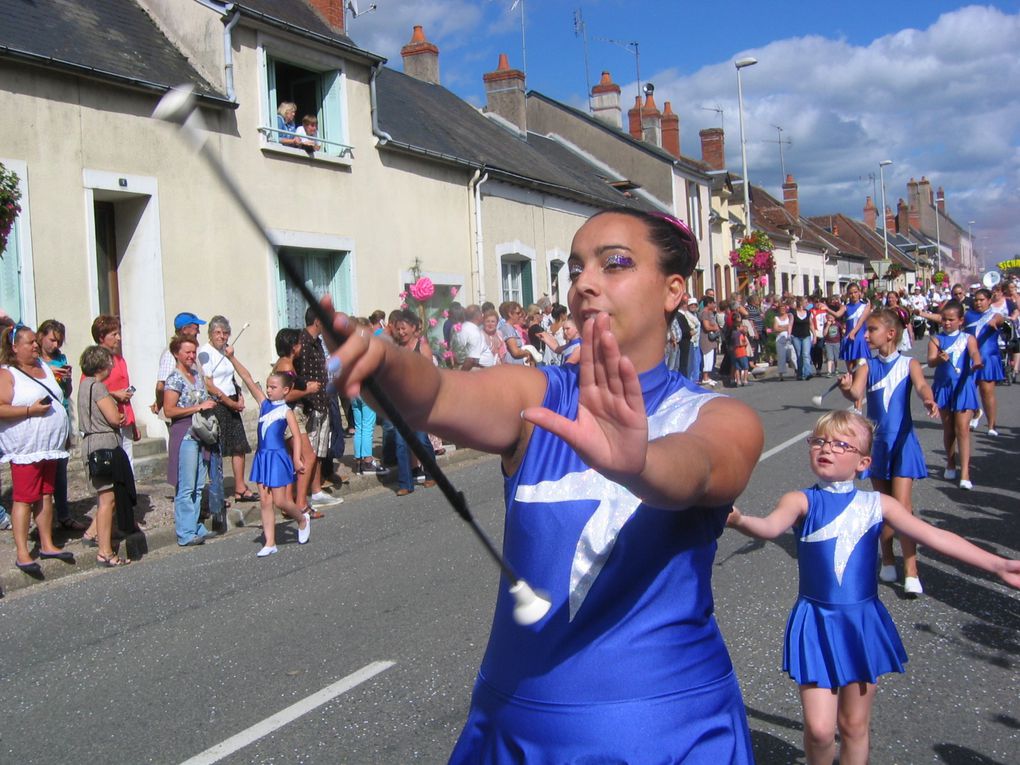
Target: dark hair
286	339
103	325
488	305
286	378
377	316
953	305
410	317
178	340
94	360
457	313
558	312
311	314
678	249
891	319
54	326
986	294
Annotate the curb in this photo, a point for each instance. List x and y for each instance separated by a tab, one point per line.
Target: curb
144	543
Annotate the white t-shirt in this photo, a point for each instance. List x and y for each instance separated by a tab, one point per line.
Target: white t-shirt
215	365
467	343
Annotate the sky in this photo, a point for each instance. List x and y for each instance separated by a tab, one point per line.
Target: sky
932	85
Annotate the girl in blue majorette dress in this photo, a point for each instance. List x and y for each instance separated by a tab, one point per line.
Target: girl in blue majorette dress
886	377
272	469
954	355
983	322
840	638
854	345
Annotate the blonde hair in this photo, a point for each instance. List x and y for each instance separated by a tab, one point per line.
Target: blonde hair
286	106
843	422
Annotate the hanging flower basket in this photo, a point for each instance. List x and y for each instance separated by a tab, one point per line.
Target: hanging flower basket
9	207
753	258
939	277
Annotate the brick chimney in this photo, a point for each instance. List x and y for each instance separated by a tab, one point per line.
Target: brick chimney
651	121
940	200
713	148
634	118
504	90
870	214
670	130
605	102
914	217
890	220
421	58
790	197
924	191
332	12
902	217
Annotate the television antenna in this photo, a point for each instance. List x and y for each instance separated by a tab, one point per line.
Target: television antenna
781	141
352	6
581	30
634	47
718	110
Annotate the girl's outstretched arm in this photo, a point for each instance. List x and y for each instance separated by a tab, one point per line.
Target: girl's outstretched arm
948	543
853	387
923	389
242	371
791	507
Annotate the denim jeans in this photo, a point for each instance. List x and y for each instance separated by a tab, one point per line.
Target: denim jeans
389	443
405	477
802	346
693	370
192	471
216	503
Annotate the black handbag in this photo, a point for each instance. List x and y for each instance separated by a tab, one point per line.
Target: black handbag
100	460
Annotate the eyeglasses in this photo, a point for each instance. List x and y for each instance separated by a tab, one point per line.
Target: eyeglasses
837	447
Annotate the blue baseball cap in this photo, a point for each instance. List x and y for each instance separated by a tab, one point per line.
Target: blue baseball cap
184	319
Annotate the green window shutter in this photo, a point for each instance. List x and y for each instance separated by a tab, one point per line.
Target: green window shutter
10	275
269	68
331	118
527	293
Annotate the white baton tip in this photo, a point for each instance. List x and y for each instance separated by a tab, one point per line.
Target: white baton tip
529	606
176	105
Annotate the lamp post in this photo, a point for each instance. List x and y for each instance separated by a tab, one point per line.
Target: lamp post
740	63
885	221
938	236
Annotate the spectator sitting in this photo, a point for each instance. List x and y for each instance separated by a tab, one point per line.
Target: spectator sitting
285	124
309	129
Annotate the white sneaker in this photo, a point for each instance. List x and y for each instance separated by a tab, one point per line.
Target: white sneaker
304	533
265	552
887	573
950	474
322	498
965	484
912	586
993	432
976	420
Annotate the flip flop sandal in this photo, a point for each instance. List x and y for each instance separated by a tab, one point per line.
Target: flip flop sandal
111	562
250	496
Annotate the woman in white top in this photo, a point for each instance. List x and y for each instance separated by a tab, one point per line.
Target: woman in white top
781	325
33	436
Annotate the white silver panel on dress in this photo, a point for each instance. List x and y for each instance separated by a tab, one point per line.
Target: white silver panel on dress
278	412
847	528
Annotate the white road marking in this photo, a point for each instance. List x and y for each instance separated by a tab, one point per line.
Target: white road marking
288	715
789	442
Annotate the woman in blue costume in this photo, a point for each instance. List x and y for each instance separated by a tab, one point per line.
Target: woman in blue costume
619	475
897	460
854	345
272	469
954	355
839	637
983	323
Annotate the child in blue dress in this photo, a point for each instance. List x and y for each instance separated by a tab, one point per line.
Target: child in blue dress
984	322
839	637
886	377
954	355
854	345
272	469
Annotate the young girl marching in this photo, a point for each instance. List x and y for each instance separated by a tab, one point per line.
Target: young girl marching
272	468
886	378
839	637
954	355
854	314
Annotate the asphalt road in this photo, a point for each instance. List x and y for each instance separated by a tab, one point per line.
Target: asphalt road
175	655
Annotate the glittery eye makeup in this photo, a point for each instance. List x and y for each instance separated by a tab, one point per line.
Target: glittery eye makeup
574	270
618	260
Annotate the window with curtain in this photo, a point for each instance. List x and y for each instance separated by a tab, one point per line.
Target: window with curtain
325	272
317	93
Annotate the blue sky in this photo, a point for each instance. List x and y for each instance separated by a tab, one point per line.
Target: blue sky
932	85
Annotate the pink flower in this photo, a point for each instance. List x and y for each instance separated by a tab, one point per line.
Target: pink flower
864	283
403	306
457	326
402	295
448	355
453	291
423	289
433	322
446	314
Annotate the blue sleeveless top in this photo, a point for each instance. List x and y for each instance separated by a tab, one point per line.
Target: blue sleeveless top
988	345
953	386
630	584
895	450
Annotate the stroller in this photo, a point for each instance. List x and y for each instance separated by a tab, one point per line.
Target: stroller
1009	346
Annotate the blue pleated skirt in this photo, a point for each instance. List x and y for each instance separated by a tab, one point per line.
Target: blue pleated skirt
896	456
957	398
992	369
833	645
272	468
702	726
852	349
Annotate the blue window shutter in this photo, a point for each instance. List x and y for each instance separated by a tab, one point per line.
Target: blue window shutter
526	289
269	68
10	275
331	120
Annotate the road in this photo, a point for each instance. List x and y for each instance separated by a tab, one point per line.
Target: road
174	656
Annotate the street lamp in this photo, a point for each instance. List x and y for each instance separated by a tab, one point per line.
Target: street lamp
740	63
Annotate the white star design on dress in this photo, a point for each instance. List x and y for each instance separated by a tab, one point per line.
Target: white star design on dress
847	528
616	504
888	384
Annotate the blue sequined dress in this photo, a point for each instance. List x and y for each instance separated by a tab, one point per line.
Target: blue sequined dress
272	466
629	664
953	386
895	450
839	632
854	348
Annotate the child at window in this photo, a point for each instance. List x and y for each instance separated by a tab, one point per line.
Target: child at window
309	129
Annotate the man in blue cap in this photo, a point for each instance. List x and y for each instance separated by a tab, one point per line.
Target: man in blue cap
186	324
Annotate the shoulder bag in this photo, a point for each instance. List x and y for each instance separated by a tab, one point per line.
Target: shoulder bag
100	460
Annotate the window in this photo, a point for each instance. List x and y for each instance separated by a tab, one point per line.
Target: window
326	272
106	258
694	208
517	281
807	285
10	274
555	267
318	91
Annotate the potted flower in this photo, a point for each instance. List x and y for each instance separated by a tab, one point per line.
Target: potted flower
432	303
753	258
9	207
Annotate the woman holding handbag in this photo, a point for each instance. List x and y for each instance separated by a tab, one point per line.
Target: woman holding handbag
100	420
33	437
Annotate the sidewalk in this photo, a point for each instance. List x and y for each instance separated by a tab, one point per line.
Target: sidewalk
156	510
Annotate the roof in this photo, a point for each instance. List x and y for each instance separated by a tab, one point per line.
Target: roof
694	165
109	40
297	16
864	240
427	119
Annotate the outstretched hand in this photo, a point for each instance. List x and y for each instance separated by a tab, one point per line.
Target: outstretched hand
1010	573
611	430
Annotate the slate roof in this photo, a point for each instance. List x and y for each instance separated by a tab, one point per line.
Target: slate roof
427	119
298	16
691	164
111	40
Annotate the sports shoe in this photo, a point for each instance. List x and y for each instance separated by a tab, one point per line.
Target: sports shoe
950	474
419	475
373	467
265	552
993	432
322	498
912	586
5	519
976	420
965	484
304	533
887	573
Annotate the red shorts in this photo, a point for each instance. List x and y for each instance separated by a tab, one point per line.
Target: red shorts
31	482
